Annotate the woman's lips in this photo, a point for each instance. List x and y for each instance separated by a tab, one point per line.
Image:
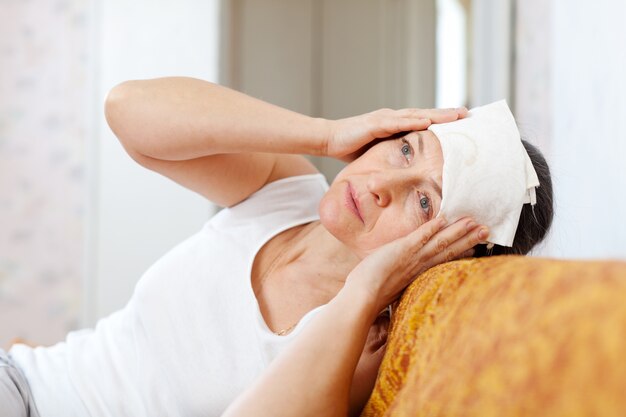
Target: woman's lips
353	203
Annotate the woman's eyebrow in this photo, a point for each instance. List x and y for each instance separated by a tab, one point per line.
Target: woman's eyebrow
420	150
420	144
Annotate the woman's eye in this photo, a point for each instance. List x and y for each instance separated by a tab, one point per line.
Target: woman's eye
425	203
406	149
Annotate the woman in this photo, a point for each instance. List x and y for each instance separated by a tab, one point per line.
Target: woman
208	317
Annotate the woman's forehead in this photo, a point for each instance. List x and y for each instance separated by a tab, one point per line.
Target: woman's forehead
427	144
425	135
430	156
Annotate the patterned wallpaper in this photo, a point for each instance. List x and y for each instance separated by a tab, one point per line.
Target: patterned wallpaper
43	124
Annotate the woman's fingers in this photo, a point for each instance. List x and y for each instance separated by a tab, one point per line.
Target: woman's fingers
434	243
458	250
405	120
404	124
390	268
435	115
418	119
410	258
416	240
454	242
347	138
390	122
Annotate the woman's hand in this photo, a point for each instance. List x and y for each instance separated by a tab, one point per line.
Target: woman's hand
348	138
392	267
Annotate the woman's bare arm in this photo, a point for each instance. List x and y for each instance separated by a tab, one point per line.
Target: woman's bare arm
314	374
179	118
213	140
225	145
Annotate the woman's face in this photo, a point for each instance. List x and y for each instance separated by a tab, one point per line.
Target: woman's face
386	193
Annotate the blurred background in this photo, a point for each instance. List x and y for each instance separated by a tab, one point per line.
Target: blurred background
80	221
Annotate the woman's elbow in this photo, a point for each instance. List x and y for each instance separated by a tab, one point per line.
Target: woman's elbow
117	110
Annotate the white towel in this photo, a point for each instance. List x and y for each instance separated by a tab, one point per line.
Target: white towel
487	173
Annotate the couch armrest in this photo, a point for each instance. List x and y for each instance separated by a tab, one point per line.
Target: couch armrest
507	335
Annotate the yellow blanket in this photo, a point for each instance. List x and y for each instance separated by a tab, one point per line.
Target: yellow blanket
508	336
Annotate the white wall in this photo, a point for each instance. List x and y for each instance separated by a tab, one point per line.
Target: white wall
491	51
135	214
588	147
452	57
533	62
571	99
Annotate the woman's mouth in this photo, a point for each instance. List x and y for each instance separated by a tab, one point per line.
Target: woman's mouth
352	202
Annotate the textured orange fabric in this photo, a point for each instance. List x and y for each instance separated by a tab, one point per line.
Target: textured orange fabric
507	336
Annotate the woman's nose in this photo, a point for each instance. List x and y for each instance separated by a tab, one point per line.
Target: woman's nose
385	186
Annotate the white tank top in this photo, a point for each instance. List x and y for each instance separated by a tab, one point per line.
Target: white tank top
192	337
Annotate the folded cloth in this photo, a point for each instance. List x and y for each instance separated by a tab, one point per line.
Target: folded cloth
487	173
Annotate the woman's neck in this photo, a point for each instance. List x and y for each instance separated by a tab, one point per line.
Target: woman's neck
323	259
300	269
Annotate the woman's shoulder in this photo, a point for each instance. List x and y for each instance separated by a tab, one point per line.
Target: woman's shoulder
306	180
287	201
288	190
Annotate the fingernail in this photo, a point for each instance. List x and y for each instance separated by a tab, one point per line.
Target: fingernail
470	225
483	233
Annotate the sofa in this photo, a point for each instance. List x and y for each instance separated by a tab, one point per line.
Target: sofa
507	336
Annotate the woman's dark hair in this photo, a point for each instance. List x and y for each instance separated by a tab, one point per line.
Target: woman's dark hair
534	221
